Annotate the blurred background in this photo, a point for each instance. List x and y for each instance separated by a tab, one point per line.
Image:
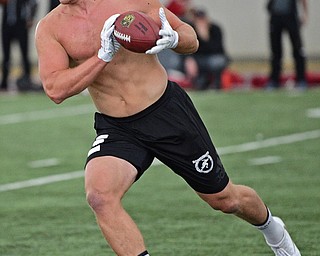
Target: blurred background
245	27
245	36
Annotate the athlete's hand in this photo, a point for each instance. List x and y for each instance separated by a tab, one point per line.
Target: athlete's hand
109	45
169	38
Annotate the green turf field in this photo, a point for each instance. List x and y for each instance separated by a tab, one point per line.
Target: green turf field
267	140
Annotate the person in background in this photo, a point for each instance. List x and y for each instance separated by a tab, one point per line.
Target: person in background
17	19
181	8
205	67
284	16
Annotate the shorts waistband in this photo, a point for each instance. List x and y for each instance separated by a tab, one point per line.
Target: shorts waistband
147	110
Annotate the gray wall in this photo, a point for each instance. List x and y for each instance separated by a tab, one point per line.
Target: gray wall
245	24
245	27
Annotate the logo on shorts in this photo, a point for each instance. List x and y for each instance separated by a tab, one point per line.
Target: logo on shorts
96	146
204	164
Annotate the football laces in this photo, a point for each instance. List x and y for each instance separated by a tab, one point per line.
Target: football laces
122	36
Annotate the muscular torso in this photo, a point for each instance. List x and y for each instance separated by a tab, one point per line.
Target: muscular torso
131	81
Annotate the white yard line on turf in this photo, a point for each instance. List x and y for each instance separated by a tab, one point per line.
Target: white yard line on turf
287	139
44	163
46	114
41	181
250	146
78	110
313	112
265	160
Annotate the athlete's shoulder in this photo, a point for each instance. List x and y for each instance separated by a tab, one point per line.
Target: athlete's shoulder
50	21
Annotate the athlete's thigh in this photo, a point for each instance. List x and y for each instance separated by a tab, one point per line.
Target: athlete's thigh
108	174
176	135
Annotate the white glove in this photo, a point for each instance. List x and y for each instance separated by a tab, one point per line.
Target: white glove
109	45
169	38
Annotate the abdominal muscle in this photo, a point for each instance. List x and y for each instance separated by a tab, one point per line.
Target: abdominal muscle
129	84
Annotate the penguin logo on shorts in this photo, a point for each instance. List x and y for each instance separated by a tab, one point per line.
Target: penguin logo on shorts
204	164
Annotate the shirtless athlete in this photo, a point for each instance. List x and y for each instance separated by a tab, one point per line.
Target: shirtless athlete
140	116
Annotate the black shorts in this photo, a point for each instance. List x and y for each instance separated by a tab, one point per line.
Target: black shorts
170	130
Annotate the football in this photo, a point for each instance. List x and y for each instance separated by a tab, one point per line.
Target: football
136	31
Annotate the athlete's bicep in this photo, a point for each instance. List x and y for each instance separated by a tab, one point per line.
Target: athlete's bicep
52	57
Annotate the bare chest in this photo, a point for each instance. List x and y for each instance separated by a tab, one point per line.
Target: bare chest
80	35
81	39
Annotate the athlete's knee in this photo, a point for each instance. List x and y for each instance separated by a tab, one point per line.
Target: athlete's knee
95	200
225	201
100	202
226	205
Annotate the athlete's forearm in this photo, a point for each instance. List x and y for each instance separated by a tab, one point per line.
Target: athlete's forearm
63	84
188	42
